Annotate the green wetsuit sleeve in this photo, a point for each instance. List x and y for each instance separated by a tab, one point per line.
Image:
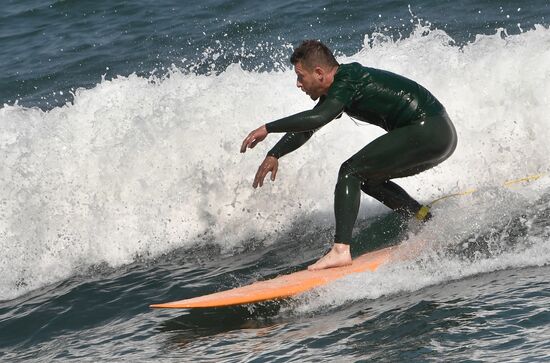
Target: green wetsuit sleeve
290	142
313	119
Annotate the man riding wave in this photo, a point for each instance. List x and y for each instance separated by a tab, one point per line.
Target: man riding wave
419	136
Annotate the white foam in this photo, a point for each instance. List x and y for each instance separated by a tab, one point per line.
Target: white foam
467	236
137	166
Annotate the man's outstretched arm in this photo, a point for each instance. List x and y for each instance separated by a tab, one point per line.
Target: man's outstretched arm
290	142
299	127
322	114
301	124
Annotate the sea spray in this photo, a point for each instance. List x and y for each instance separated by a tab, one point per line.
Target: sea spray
141	166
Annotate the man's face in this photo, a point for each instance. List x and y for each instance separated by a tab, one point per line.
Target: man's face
308	80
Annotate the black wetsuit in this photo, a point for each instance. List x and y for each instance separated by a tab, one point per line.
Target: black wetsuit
420	136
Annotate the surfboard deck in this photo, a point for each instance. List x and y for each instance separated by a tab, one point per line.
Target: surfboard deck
283	286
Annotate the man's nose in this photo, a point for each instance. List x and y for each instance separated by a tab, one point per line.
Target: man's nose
298	84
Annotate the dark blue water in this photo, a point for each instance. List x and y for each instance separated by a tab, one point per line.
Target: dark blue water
121	183
57	46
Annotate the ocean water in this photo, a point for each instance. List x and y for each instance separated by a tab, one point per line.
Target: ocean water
121	183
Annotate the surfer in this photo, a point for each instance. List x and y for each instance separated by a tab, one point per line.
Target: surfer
419	136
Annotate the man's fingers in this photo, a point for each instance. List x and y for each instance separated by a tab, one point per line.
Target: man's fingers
274	173
258	180
254	138
260	175
249	142
269	165
245	143
263	173
257	177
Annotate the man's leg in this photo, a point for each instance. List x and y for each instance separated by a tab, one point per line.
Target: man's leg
397	199
402	152
392	196
347	198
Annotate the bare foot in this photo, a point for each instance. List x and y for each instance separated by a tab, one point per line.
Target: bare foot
338	256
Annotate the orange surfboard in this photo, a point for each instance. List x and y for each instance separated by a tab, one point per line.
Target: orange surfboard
282	286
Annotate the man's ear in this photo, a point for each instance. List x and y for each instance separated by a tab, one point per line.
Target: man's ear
319	72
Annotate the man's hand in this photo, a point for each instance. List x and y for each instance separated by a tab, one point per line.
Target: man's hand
254	138
270	164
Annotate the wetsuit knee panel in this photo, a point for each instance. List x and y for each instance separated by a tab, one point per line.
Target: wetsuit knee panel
346	170
347	178
445	144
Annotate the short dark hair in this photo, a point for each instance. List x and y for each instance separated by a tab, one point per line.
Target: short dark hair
312	53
